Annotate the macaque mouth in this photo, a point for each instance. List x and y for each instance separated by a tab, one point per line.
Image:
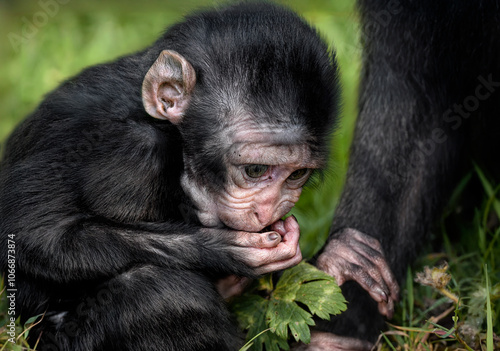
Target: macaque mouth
263	230
266	229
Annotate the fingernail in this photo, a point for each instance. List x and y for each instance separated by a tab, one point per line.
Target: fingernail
273	236
382	294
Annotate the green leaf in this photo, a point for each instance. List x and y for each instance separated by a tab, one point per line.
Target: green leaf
283	315
314	288
303	272
283	311
323	298
266	282
250	311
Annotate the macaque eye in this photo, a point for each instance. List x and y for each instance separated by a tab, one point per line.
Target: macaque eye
298	174
256	171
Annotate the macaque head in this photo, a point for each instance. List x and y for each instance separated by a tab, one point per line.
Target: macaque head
255	117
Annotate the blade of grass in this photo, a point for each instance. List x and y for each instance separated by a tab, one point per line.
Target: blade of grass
491	246
489	189
489	314
389	342
250	342
481	234
410	297
457	193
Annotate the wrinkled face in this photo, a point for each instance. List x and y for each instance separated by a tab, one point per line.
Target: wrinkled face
264	180
264	183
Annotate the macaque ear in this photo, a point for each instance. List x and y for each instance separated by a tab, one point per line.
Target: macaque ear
167	87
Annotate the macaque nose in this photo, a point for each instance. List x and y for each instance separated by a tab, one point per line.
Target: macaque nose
265	216
267	204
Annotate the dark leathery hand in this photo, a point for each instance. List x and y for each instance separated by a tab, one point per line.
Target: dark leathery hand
353	255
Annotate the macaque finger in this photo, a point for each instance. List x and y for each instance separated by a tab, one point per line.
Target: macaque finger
278	266
291	224
365	239
375	287
382	274
373	282
286	254
380	261
386	308
357	265
381	271
390	280
279	226
290	231
257	240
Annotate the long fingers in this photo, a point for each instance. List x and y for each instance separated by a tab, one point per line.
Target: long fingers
353	255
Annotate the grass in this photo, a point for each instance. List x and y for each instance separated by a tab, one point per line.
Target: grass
79	34
455	307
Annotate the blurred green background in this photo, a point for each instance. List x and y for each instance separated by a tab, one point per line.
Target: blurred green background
44	42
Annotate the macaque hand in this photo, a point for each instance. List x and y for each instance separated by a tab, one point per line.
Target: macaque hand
352	255
271	251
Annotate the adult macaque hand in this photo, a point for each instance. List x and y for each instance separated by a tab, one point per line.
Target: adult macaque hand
352	255
271	251
321	341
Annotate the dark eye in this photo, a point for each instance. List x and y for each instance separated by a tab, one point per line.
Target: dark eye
298	174
255	171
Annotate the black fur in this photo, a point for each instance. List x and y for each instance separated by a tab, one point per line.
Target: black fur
411	144
89	184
